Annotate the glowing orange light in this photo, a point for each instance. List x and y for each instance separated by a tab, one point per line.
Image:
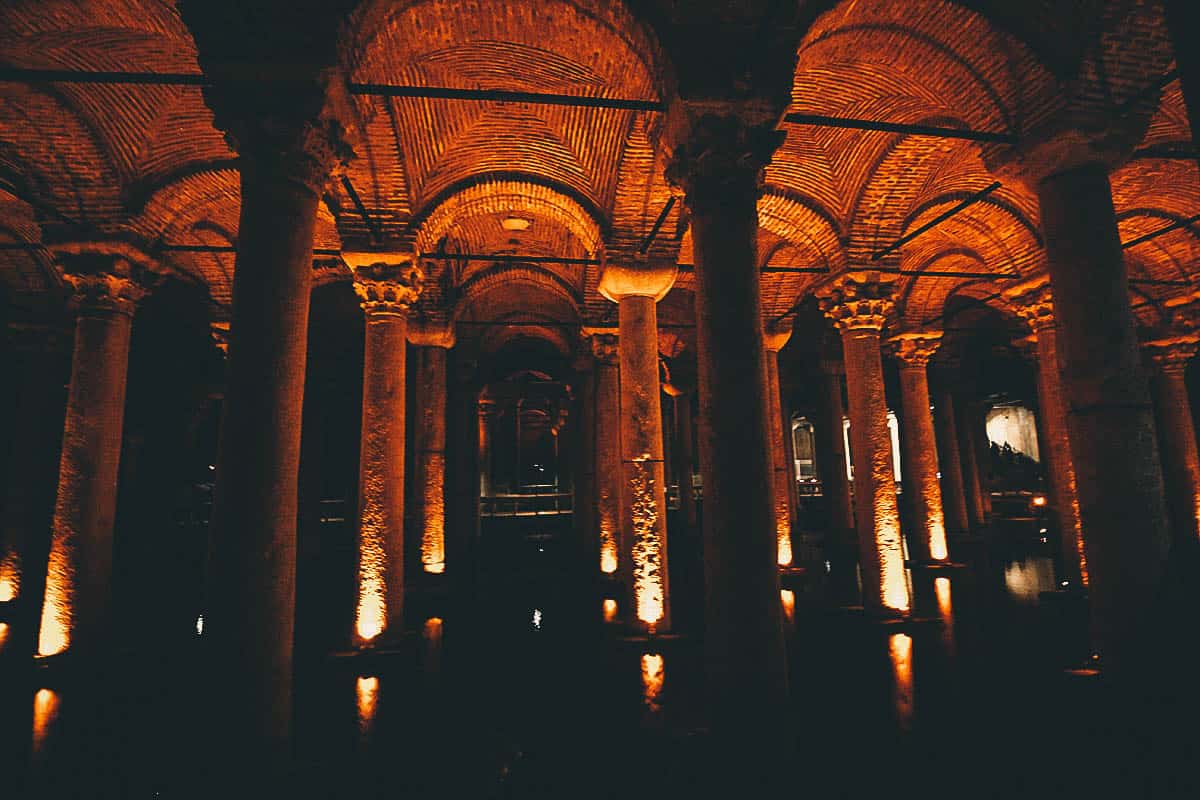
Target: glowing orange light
10	578
45	711
370	616
652	679
436	569
900	652
647	545
610	609
608	556
892	577
941	587
1039	500
788	598
783	550
367	689
937	539
3	634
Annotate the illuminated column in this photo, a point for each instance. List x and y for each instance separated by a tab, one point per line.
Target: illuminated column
433	342
719	165
487	418
608	450
858	304
636	290
781	470
76	611
832	457
972	482
1177	432
954	498
1110	416
918	445
387	285
685	459
584	439
1036	307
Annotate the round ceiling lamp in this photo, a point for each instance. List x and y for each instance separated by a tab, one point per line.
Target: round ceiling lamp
511	223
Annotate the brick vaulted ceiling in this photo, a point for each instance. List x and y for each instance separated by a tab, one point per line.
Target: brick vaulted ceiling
145	162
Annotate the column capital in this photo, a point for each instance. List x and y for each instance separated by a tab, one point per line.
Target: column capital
427	333
636	276
605	348
388	286
857	300
1032	302
915	349
1172	355
219	331
720	157
774	341
104	293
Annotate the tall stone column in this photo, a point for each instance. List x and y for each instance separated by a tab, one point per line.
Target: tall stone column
972	481
77	605
636	289
685	459
781	469
487	419
608	451
1035	305
434	341
584	438
831	457
954	496
919	454
387	285
1110	417
859	303
719	166
1177	432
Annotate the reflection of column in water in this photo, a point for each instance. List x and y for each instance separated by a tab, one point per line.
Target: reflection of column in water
652	680
788	598
610	609
431	635
3	635
368	698
900	652
1025	580
46	705
941	588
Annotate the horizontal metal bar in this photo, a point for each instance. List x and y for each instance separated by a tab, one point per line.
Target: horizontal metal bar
899	127
1158	282
513	258
1174	226
504	96
785	269
939	219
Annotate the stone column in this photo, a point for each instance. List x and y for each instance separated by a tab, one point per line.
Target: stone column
387	285
584	437
919	454
636	289
608	451
685	459
434	341
77	605
1035	305
1177	432
972	482
858	303
831	460
781	468
954	497
719	166
1110	417
487	417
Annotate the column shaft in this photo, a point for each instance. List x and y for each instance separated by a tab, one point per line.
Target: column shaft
831	458
608	454
642	461
781	471
78	594
972	482
1110	419
1057	457
431	394
1180	459
881	556
687	459
954	496
920	463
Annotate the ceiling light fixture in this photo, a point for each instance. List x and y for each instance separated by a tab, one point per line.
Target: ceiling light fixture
515	223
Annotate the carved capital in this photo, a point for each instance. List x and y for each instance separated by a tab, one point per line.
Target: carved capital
1171	356
606	348
915	349
427	333
774	341
636	276
388	289
857	301
720	161
1032	302
103	293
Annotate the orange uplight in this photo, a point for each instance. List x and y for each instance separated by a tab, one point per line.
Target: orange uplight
45	711
370	615
610	609
367	689
1039	500
892	578
608	559
10	578
647	555
937	540
435	569
788	598
652	679
900	652
783	551
369	618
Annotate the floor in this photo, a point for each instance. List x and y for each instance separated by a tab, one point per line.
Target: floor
510	695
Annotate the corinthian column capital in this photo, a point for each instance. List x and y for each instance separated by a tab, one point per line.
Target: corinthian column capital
720	159
915	349
605	348
857	300
386	283
1172	355
1032	302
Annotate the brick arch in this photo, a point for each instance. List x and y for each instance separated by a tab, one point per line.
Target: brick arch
23	271
518	288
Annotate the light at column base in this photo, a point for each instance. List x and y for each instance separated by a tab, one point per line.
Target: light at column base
647	546
610	609
788	598
435	569
783	552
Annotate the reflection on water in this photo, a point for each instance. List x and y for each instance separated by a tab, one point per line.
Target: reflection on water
431	635
537	619
610	609
788	598
941	587
900	653
3	634
1025	580
652	680
46	704
368	697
